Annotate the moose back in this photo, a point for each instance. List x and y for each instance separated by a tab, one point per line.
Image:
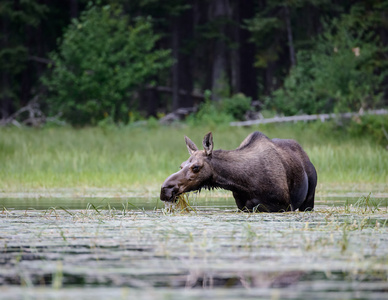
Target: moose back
263	174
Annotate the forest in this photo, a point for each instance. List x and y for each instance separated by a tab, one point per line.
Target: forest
86	62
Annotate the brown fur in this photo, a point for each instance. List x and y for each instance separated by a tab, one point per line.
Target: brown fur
263	174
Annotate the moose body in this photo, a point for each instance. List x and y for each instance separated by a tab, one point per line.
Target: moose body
264	175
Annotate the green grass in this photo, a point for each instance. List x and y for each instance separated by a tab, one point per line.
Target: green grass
141	158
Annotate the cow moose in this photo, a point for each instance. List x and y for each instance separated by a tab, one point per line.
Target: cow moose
264	175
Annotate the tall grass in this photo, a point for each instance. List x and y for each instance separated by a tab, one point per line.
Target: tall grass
141	158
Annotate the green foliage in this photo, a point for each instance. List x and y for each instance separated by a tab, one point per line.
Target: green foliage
15	22
298	94
374	126
343	72
368	204
210	114
221	112
152	123
268	28
13	53
102	60
261	28
236	106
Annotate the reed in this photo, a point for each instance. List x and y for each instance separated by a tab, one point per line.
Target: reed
181	205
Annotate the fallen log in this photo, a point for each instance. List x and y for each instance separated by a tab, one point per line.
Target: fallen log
305	118
30	115
177	115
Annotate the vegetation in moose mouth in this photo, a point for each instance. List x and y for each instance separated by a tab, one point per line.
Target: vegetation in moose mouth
180	204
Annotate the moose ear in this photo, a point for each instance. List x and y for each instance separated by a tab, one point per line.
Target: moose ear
190	145
208	144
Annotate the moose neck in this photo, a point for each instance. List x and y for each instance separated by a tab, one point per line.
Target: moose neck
227	171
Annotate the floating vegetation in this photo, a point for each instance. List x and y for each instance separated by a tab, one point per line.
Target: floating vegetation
368	203
104	251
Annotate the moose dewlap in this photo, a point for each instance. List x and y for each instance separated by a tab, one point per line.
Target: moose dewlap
263	174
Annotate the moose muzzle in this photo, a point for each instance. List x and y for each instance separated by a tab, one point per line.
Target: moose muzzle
170	188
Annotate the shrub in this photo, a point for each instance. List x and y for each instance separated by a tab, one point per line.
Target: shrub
209	114
102	59
236	106
375	127
341	73
220	112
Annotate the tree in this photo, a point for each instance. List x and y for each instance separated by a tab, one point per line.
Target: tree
19	19
102	60
246	71
226	46
220	12
278	29
182	77
342	72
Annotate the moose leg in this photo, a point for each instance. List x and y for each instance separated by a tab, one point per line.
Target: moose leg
244	203
308	204
240	202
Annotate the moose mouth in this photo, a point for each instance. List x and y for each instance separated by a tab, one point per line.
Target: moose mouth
174	198
168	195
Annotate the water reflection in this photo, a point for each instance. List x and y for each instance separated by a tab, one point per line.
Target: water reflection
151	203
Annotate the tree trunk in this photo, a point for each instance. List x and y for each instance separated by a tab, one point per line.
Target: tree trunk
384	39
269	77
74	10
175	67
151	97
219	75
235	67
182	78
6	101
219	84
5	88
247	70
289	36
28	72
185	65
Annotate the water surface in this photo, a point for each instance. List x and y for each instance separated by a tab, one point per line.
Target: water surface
153	203
81	247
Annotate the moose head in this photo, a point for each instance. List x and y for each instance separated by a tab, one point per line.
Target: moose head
195	173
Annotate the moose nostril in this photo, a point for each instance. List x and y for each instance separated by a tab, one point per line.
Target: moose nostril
167	192
168	187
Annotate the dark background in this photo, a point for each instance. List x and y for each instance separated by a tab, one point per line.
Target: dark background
244	46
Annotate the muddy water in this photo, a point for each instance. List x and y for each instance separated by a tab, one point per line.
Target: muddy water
130	248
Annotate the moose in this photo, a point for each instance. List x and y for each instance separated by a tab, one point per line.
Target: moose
264	175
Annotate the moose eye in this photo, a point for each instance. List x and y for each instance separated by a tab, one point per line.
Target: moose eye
195	168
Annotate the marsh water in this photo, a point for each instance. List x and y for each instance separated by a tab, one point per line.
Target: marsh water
120	248
153	203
